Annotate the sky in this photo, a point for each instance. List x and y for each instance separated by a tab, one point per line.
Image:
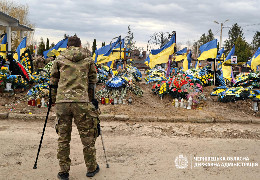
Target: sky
104	20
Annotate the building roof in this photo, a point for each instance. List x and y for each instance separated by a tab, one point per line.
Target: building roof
6	20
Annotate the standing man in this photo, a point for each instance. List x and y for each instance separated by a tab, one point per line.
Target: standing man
73	80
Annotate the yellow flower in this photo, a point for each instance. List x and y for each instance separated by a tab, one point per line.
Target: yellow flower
4	68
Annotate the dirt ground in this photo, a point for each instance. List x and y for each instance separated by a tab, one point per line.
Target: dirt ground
135	150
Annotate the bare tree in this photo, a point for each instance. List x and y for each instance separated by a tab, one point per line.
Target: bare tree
159	38
19	12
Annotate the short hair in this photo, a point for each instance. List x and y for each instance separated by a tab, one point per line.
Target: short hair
74	41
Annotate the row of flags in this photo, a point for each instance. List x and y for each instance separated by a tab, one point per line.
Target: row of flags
60	46
109	53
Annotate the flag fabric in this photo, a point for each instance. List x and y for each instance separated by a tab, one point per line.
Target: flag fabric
161	55
114	46
105	54
248	63
208	50
110	64
61	44
255	60
220	53
220	56
3	46
98	55
4	40
112	56
187	62
147	60
197	65
228	69
181	54
20	49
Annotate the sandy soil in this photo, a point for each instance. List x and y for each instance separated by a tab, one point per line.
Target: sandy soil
134	150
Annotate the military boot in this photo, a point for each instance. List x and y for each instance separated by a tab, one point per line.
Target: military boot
91	174
63	176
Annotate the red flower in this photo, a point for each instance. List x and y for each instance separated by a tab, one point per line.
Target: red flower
189	80
179	90
174	89
191	84
158	85
183	74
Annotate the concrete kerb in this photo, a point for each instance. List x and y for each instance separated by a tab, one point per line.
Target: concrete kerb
4	115
122	117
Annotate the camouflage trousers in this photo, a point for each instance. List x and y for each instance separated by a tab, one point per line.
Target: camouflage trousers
86	122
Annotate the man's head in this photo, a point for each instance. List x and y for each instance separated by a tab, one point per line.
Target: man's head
74	41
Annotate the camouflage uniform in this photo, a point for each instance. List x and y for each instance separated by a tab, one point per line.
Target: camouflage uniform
73	72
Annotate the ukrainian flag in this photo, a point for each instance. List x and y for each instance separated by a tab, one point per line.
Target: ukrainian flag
227	69
60	46
255	60
181	54
220	56
220	53
147	61
20	49
64	45
161	55
99	57
110	64
112	56
197	65
187	62
208	50
3	46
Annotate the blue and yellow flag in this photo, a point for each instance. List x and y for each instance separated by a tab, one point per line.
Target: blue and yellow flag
112	56
197	65
248	63
20	49
161	55
187	62
102	53
220	55
181	54
60	46
3	46
4	40
99	53
147	61
110	64
228	69
255	60
64	45
208	50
